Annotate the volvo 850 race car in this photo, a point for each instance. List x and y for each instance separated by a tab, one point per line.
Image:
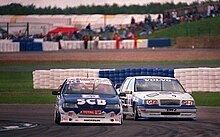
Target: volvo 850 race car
156	97
87	100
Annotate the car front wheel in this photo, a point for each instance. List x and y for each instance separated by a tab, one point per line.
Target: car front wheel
57	118
136	117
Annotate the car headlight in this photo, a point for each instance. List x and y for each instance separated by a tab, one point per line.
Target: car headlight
69	105
112	106
188	102
151	102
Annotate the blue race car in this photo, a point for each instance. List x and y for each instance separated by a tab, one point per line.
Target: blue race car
87	100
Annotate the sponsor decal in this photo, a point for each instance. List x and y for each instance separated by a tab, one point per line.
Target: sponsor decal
153	94
90	96
91	112
156	79
171	110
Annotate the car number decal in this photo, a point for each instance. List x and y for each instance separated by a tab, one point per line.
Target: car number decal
91	101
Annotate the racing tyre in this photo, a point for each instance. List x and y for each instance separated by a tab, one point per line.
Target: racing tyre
124	116
57	118
121	121
136	117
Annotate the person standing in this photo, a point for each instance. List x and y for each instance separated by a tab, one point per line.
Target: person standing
85	39
96	41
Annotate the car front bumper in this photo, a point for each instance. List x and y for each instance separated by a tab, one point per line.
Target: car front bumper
105	118
166	112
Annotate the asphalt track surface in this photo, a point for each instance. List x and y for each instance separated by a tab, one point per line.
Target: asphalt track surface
207	124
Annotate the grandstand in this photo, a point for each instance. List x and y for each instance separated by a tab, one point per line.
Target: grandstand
44	23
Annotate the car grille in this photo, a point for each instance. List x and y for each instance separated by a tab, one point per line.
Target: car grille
166	102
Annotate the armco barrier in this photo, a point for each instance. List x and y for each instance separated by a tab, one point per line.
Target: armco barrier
159	43
9	46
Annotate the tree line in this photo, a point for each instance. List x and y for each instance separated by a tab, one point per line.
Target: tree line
151	8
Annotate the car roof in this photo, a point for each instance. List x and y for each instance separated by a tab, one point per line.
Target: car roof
86	78
158	77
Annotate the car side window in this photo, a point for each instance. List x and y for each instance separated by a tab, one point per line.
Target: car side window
130	86
125	85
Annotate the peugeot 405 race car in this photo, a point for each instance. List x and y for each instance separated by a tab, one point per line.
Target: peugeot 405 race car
156	97
87	100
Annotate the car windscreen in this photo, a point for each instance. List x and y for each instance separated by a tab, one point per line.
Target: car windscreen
88	88
155	84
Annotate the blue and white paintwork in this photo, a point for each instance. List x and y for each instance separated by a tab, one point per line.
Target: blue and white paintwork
103	107
156	102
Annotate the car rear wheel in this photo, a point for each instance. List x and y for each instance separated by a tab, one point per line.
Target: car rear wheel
57	118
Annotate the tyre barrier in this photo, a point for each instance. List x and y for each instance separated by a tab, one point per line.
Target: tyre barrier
66	45
9	46
199	79
106	44
118	76
50	46
52	78
159	43
27	45
40	45
192	79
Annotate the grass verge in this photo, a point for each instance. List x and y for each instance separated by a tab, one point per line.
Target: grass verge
86	64
207	99
27	98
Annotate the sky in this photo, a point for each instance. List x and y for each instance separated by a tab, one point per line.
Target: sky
75	3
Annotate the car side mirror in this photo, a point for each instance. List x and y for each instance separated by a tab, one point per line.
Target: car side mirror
189	91
128	92
55	92
122	94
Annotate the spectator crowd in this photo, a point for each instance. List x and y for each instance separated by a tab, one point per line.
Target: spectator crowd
133	30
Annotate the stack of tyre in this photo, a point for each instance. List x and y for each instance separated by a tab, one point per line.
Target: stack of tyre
118	76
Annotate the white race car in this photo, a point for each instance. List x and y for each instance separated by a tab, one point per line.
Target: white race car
156	97
87	100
